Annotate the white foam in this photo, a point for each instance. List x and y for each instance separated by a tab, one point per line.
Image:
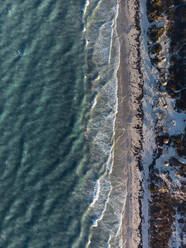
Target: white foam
96	193
86	8
109	193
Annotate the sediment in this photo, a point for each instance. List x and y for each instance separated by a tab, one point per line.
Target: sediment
128	135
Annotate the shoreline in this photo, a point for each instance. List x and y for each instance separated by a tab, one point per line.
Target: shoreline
129	119
153	165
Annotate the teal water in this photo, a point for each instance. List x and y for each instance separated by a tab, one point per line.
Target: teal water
41	123
56	131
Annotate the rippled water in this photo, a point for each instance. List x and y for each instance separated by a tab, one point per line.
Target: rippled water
43	153
56	121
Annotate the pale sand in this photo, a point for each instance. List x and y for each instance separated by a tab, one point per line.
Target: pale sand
126	135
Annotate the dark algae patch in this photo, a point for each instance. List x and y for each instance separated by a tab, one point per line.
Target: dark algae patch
167	21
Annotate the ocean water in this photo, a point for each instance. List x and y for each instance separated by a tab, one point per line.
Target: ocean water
58	62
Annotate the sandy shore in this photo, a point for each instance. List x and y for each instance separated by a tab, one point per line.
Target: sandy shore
129	122
153	165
